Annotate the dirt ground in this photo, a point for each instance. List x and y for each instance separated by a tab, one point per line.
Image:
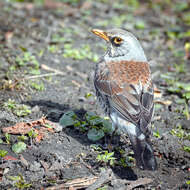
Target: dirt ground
47	58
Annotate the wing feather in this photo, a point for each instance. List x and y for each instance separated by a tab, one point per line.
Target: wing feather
134	102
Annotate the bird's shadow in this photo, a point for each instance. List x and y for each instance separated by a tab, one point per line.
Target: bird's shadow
54	111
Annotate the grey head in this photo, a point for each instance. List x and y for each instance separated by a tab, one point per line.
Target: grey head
122	45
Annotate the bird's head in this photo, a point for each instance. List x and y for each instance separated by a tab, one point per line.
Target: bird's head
122	45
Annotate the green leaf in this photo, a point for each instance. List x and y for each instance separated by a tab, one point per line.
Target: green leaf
1	141
94	134
156	134
19	147
107	127
68	119
188	182
3	153
186	148
14	178
93	119
186	95
180	101
184	86
140	25
173	89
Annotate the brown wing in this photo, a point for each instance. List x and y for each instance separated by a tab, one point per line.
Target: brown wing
129	91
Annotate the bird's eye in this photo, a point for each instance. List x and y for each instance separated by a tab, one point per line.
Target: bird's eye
117	40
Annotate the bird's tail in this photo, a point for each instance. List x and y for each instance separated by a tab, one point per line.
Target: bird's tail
143	152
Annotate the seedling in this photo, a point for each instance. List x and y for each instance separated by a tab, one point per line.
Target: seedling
19	147
186	149
186	112
188	182
180	133
105	187
37	85
95	125
3	153
106	157
18	109
19	182
1	141
7	138
53	48
81	53
156	134
22	138
32	134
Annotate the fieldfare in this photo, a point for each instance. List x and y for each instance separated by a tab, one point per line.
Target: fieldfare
125	91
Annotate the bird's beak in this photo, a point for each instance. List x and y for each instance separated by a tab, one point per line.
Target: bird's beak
101	34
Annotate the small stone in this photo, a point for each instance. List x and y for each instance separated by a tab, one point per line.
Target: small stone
185	124
57	127
35	166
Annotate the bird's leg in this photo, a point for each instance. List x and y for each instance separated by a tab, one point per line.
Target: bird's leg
110	148
108	140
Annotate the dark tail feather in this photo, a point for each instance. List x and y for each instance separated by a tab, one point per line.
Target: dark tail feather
144	153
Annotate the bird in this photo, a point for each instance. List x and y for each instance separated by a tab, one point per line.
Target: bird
125	91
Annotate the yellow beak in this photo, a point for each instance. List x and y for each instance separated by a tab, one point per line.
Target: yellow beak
101	34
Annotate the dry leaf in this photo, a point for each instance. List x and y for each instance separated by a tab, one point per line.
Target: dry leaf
25	127
9	158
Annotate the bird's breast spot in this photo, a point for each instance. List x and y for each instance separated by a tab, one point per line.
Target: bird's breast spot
123	125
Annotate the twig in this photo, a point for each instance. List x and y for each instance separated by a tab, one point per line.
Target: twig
75	183
129	185
105	177
41	76
138	182
47	68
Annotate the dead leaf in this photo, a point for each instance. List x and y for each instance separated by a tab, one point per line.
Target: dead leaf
19	128
24	127
7	157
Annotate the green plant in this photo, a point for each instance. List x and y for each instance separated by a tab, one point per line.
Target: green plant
81	53
19	182
53	48
180	133
22	138
1	141
188	182
19	147
186	149
106	157
105	187
3	153
37	85
156	134
18	109
7	138
186	112
95	125
32	134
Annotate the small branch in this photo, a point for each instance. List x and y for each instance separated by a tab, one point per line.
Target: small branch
105	177
41	76
47	68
